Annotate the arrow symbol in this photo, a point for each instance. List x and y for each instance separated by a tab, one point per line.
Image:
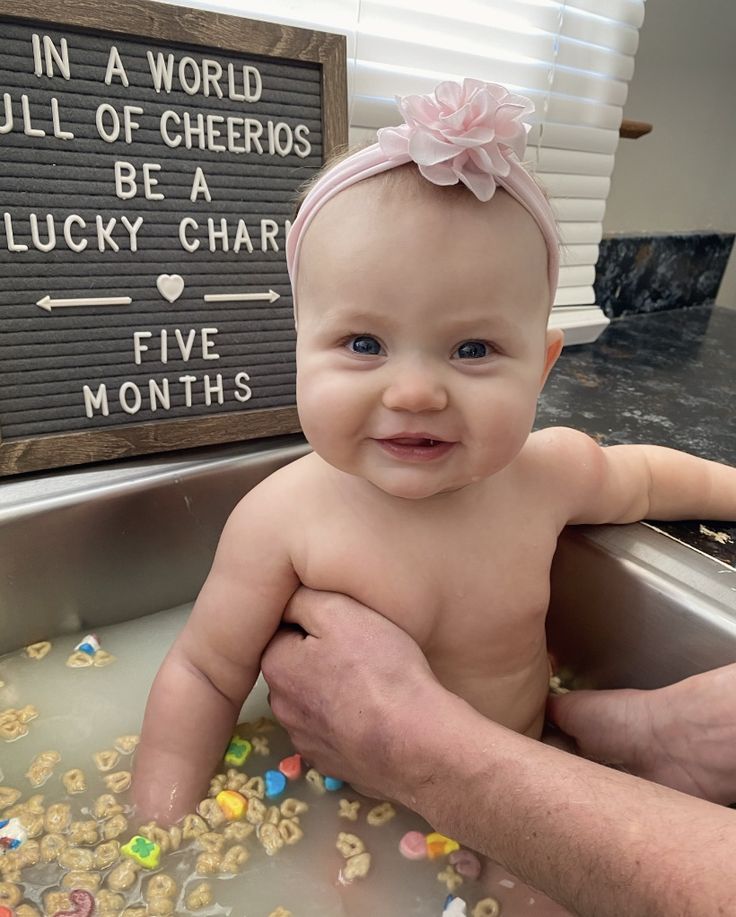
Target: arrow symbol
271	296
48	303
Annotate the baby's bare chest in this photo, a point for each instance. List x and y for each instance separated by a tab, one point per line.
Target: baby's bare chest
475	586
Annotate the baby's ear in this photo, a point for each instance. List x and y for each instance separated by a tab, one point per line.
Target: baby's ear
555	342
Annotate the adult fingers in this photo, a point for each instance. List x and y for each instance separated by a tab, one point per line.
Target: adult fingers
284	653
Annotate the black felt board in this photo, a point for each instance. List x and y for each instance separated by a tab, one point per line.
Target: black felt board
61	363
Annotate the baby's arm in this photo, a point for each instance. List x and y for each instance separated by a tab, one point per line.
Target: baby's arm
628	483
212	666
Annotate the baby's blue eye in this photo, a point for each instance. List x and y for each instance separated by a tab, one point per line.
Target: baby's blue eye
472	350
365	345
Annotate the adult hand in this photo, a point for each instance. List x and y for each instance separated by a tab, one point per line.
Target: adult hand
348	688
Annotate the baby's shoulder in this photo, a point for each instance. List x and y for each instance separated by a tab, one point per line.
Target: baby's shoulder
552	456
281	494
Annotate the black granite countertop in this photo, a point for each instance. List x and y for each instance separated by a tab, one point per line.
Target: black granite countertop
667	378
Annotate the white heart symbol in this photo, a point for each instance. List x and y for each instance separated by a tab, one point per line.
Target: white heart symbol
170	286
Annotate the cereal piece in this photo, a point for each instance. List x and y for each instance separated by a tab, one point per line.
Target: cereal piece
280	912
381	814
156	835
211	841
349	845
83	832
78	660
76	858
81	879
349	809
10	894
234	859
290	831
175	837
115	826
200	896
74	781
238	831
89	645
30	853
109	903
356	867
238	751
233	805
208	864
123	876
455	907
439	845
102	658
235	780
270	839
256	813
106	805
193	825
56	901
260	745
58	817
135	912
27	713
486	907
333	784
8	796
35	804
272	816
42	767
255	787
451	878
118	782
27	910
38	650
144	852
106	854
264	724
51	846
316	781
33	824
292	807
11	728
126	745
466	863
161	886
291	767
161	906
217	784
275	783
106	760
413	846
211	813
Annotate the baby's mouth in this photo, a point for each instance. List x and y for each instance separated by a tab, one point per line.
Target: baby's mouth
415	448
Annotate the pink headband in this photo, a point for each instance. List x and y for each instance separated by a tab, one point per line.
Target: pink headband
472	133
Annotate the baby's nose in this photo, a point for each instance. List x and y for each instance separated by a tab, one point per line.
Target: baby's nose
414	390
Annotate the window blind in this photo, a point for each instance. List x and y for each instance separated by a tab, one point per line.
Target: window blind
573	58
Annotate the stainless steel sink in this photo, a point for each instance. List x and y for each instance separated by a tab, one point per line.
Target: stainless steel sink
82	549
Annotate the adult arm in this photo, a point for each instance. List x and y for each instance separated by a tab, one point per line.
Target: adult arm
360	702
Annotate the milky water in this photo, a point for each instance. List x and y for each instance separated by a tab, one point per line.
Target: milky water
82	711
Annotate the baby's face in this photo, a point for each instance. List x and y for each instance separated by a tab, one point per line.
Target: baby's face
422	342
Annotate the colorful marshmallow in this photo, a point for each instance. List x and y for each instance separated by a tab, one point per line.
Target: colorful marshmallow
439	845
413	846
12	834
144	852
291	767
332	784
454	907
89	645
238	751
275	783
232	804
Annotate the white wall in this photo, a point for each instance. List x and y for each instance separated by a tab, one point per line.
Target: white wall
682	176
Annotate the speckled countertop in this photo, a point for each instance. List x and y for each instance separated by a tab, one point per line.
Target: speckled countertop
667	378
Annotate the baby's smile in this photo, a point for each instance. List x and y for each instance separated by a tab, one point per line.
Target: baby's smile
418	447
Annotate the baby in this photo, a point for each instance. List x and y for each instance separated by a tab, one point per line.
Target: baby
423	270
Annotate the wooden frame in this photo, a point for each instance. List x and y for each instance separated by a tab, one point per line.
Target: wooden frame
150	20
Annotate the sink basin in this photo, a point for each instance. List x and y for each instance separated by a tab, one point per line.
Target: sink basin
83	549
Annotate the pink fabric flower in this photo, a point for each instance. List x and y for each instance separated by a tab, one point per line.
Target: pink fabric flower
461	133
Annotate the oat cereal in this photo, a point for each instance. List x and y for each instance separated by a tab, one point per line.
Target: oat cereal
27	713
123	876
356	867
56	901
160	836
280	912
234	859
74	781
381	814
270	838
211	841
118	782
161	886
38	650
90	881
450	878
106	760
200	896
79	660
10	894
192	826
52	845
349	845
290	831
8	796
102	658
349	809
26	910
208	864
126	745
260	745
83	832
106	854
290	808
254	788
109	903
58	817
42	767
106	806
238	831
316	781
114	827
77	858
256	813
487	907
